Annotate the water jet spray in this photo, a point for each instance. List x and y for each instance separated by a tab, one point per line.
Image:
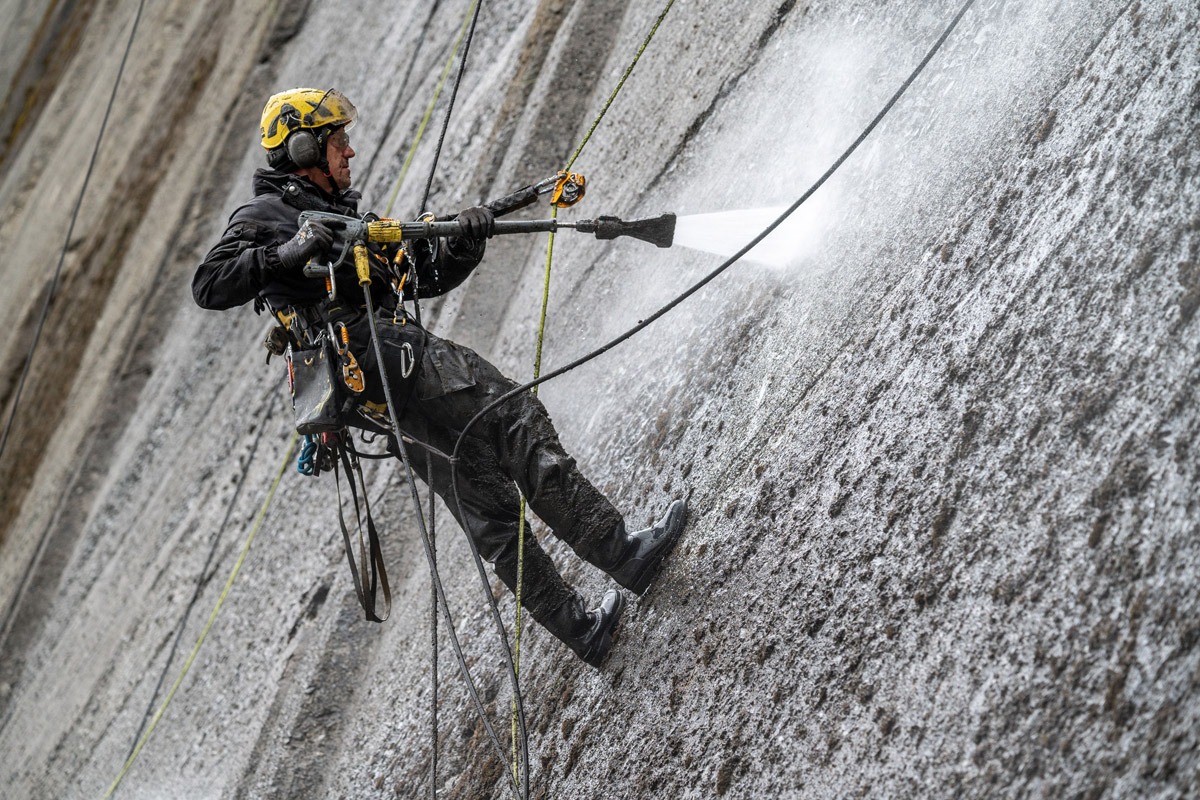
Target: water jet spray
723	233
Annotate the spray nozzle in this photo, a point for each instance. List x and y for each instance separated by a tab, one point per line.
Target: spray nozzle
658	231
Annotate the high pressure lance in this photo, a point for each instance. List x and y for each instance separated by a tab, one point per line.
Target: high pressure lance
565	189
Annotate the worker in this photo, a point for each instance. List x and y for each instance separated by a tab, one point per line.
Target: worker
437	385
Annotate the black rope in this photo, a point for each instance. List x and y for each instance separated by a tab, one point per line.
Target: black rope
428	532
433	658
720	269
429	555
462	68
518	699
403	84
62	255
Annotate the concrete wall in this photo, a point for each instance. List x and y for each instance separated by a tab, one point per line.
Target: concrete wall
940	462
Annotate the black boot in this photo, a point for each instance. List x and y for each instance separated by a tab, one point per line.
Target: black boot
588	633
633	559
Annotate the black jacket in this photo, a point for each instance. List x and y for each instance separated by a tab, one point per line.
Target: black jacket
245	262
244	265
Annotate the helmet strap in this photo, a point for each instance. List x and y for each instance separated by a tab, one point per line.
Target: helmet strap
323	164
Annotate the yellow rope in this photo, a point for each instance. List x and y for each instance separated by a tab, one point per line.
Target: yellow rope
187	665
437	92
537	358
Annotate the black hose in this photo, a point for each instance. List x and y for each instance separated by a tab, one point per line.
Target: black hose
428	534
650	320
429	554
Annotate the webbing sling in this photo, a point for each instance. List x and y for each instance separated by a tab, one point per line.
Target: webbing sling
371	565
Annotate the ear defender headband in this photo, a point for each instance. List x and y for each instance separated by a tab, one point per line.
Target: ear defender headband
301	145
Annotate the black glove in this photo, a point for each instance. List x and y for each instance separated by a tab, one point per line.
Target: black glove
477	223
314	238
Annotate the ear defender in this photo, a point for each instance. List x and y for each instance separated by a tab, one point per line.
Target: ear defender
303	149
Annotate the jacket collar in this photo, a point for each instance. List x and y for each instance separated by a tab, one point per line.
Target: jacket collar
299	192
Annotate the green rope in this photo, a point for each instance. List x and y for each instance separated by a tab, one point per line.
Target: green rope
620	83
437	92
537	370
541	335
187	665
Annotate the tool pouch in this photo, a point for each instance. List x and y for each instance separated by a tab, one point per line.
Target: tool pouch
316	388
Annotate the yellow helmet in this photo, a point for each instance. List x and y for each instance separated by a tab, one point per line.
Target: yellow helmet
304	110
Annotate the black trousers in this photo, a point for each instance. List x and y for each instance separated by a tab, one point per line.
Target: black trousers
513	446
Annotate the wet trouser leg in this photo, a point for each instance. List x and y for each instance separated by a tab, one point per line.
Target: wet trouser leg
514	443
455	384
487	508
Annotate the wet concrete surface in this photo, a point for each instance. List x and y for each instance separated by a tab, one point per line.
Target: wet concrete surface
940	468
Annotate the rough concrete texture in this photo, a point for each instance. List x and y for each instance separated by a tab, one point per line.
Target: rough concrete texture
941	466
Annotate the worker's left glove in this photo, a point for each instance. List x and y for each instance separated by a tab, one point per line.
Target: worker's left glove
477	223
313	239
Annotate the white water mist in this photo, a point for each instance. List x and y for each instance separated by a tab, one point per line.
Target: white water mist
725	232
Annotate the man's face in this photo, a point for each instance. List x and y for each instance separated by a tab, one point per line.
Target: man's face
338	153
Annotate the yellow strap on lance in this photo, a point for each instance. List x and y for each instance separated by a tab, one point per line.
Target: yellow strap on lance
385	230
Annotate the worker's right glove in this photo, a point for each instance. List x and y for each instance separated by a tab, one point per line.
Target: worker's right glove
477	222
313	239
